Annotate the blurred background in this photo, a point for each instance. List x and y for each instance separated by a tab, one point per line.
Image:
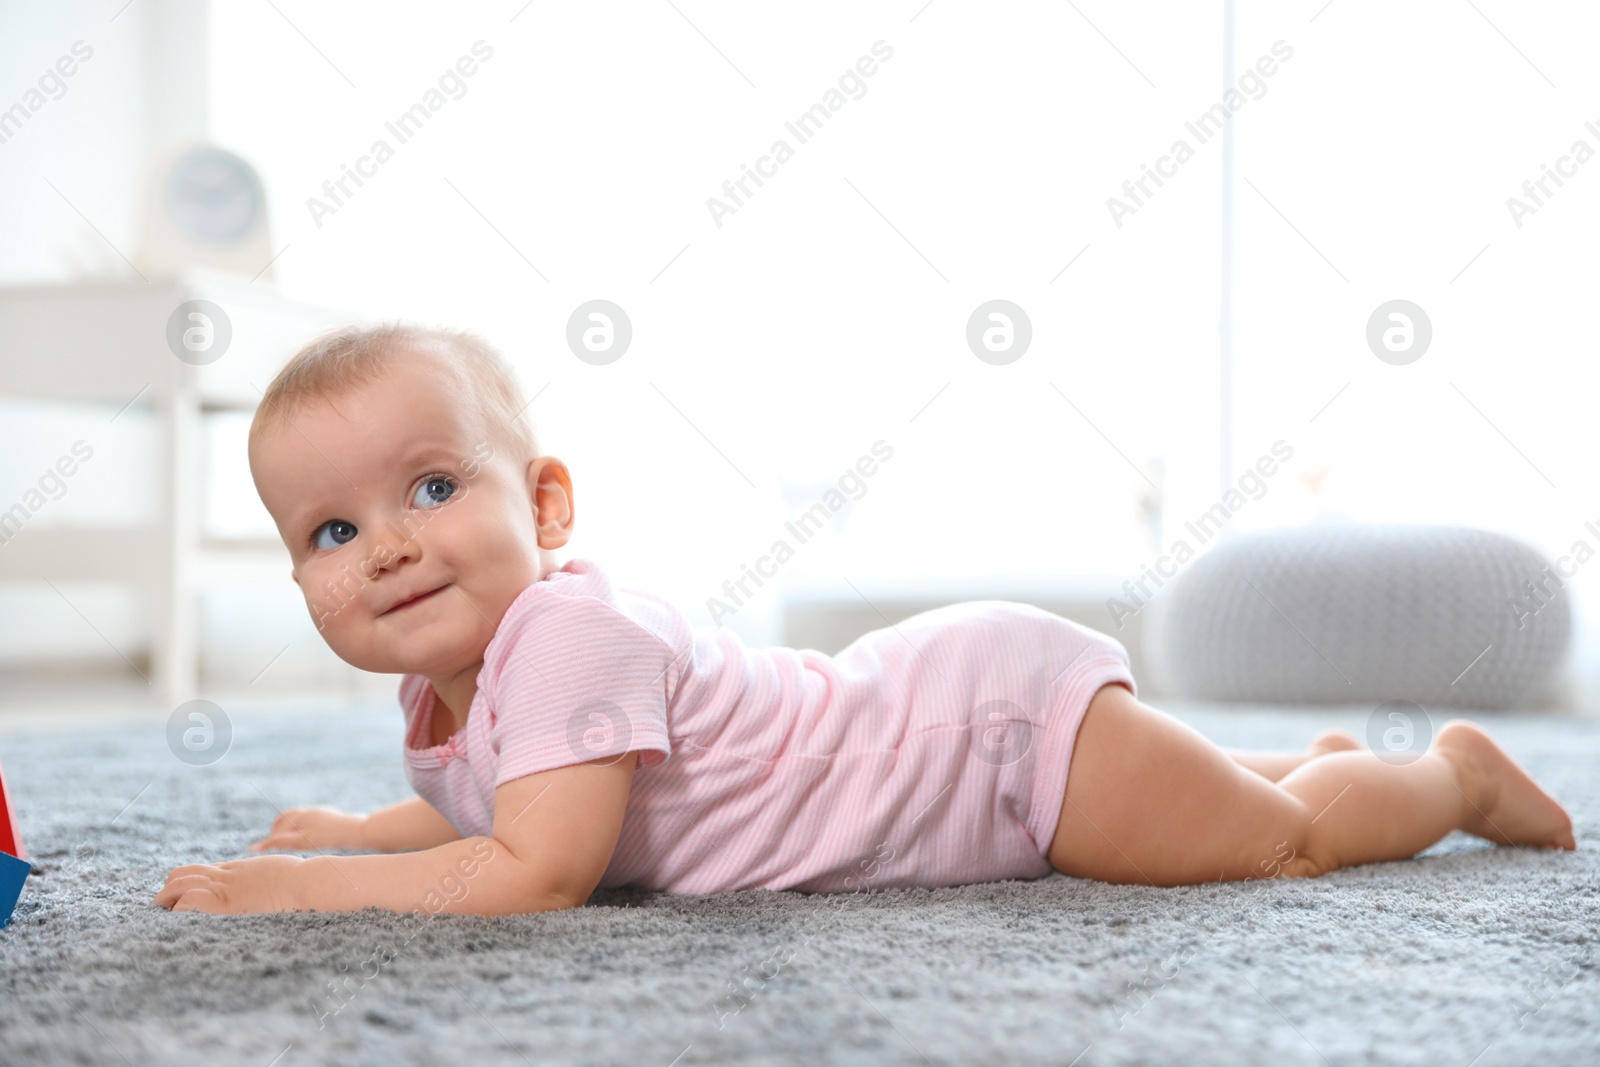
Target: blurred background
538	156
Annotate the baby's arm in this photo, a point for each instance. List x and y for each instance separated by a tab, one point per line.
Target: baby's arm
407	825
553	836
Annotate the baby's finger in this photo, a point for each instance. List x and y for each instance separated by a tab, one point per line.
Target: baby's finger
286	821
202	899
178	884
292	818
290	840
189	868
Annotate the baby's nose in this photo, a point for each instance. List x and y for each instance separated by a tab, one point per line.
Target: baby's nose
391	545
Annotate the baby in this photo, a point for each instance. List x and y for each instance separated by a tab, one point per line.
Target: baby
564	734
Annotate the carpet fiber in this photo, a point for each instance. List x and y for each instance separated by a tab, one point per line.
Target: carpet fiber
1470	954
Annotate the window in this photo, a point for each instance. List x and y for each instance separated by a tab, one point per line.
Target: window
829	311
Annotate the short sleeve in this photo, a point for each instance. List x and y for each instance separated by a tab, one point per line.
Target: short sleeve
574	680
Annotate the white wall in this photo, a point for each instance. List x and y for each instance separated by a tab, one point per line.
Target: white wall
828	311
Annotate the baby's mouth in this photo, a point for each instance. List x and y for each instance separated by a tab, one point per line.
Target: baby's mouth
420	598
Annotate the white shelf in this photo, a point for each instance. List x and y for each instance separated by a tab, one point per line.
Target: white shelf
106	342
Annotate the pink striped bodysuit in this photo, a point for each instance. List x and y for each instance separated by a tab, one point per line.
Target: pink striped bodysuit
930	753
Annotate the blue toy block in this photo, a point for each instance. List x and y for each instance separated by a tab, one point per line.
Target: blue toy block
13	872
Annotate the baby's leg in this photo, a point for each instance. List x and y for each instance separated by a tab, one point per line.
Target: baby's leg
1274	765
1152	801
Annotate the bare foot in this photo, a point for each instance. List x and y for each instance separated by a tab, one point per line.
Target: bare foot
1505	805
1334	741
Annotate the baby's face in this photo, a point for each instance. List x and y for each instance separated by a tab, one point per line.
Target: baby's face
400	495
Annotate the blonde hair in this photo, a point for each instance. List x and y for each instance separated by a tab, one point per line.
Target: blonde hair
341	359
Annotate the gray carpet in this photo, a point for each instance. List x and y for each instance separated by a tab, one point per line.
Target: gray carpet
1468	955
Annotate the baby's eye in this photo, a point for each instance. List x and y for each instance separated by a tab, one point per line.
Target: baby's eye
431	493
342	532
434	491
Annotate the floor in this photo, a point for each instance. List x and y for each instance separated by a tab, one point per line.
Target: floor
1470	954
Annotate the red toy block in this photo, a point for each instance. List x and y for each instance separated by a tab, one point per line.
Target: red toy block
14	865
10	836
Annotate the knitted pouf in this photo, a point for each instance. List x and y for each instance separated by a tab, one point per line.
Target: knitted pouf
1347	613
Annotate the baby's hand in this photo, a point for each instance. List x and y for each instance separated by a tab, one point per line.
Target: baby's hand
303	829
237	887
